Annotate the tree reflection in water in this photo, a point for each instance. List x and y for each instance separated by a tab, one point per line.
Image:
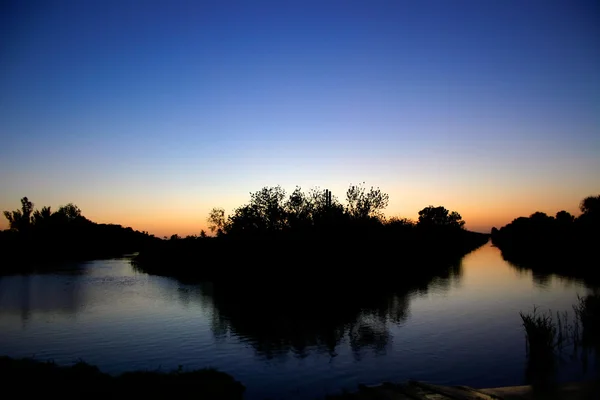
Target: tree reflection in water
278	320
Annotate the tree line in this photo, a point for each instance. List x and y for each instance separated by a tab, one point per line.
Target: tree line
562	243
37	235
308	231
270	212
42	235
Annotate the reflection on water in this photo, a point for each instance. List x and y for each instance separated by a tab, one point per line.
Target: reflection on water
459	326
25	294
286	321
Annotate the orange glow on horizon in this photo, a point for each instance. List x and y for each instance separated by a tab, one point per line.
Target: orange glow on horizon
167	214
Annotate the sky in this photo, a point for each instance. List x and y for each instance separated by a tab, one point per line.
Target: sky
149	113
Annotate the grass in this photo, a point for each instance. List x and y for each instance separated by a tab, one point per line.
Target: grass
546	338
587	311
548	335
28	377
545	335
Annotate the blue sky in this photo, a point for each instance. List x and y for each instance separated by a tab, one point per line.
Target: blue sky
149	113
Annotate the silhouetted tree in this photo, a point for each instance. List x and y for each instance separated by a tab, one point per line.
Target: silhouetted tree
563	217
216	220
246	220
265	214
324	213
20	220
312	210
42	217
439	217
363	204
268	203
590	205
69	213
298	209
540	217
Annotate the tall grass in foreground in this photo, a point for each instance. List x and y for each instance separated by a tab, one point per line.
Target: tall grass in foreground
587	311
548	335
546	338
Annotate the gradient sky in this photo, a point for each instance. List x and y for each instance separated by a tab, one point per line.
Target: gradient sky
148	113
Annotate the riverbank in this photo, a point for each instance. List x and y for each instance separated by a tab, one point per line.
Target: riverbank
30	377
414	390
309	260
83	379
43	249
562	244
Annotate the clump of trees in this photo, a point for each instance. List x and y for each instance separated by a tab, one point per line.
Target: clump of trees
46	235
25	220
440	217
271	212
311	231
559	243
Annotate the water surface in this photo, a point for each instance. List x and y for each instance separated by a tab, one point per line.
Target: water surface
461	328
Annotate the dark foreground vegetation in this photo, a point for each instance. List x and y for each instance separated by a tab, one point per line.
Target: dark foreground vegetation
310	237
36	238
563	244
548	339
551	339
25	377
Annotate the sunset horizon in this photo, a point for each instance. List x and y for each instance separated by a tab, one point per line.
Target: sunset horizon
150	115
197	221
300	200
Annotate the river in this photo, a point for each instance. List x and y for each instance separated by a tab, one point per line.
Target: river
462	329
